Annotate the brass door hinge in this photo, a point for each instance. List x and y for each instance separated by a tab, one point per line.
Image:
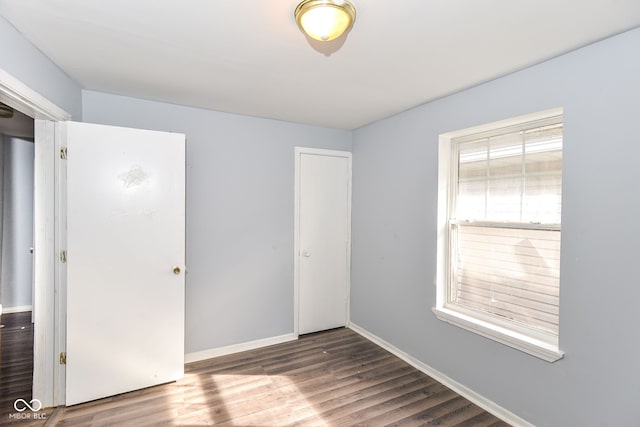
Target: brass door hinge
63	153
63	257
63	358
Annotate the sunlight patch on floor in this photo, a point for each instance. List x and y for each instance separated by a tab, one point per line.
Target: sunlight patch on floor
194	399
265	400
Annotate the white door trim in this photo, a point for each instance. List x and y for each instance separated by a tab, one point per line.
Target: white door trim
24	99
296	241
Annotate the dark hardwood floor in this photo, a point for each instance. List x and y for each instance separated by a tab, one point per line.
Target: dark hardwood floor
333	378
16	371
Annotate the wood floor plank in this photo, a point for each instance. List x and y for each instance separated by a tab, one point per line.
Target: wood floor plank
389	401
331	378
483	419
16	370
369	398
403	410
439	414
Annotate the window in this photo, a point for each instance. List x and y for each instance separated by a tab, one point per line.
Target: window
499	211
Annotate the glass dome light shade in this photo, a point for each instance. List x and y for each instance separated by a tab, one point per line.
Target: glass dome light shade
325	20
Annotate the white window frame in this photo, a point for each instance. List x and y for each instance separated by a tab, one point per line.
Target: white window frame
521	338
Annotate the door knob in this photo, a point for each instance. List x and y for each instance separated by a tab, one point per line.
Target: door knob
306	254
176	270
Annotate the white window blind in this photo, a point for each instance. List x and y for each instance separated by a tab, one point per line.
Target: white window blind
505	224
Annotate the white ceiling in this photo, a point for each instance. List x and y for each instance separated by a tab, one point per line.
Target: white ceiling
248	56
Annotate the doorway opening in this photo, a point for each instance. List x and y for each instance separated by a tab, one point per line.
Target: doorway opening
16	254
41	114
16	210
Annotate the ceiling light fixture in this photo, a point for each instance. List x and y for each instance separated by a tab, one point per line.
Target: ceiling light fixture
325	20
6	112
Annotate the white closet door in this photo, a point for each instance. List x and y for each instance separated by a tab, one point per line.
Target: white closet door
324	239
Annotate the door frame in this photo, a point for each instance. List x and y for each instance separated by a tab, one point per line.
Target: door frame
47	373
299	151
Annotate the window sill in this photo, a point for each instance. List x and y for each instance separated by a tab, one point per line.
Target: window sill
502	335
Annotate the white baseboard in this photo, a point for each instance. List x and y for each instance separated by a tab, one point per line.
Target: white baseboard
237	348
16	309
463	391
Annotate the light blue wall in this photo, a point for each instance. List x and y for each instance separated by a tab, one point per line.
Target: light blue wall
16	231
394	238
240	205
25	62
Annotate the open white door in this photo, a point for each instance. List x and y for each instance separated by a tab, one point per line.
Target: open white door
323	237
125	256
